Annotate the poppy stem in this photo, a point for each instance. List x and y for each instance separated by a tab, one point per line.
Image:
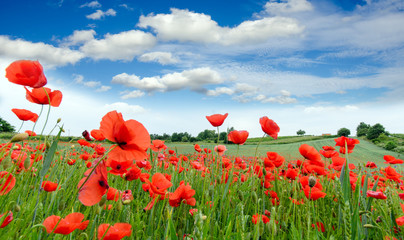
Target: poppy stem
20	127
256	149
47	115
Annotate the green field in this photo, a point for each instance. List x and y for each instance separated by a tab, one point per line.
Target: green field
363	152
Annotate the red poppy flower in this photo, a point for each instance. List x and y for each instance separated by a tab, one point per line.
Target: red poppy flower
65	225
133	173
83	142
392	174
97	135
350	142
217	119
30	133
337	163
49	186
197	148
273	159
26	73
38	96
238	137
158	145
320	226
392	160
313	193
183	192
220	149
371	165
113	194
95	187
118	167
115	232
377	195
257	217
25	115
291	173
7	219
269	127
400	221
329	153
131	136
7	182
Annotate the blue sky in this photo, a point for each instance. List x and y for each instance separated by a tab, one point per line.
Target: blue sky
312	65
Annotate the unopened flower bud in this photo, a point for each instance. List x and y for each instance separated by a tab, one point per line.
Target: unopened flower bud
61	205
27	163
17	208
312	181
19	137
103	200
59	120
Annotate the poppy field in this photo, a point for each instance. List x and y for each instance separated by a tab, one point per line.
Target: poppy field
115	183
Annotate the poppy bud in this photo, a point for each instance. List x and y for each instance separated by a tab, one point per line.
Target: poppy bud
254	196
240	195
61	205
27	163
264	171
312	181
368	226
19	137
59	120
119	206
48	144
103	200
6	163
17	208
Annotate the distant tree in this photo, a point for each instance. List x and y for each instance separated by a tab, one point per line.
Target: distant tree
300	132
362	129
207	135
343	132
5	126
375	131
390	145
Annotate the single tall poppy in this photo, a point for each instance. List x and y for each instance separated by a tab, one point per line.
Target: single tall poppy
25	115
217	119
40	96
238	137
131	136
269	127
26	73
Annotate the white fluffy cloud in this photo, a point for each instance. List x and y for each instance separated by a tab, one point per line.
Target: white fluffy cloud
219	91
287	6
79	79
121	46
79	37
163	58
45	53
184	25
132	94
92	4
284	98
101	14
194	79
